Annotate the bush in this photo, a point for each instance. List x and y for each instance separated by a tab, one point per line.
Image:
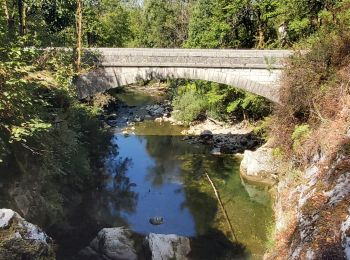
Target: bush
224	102
188	105
301	132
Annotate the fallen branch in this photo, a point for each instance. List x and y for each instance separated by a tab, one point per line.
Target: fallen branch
222	207
215	121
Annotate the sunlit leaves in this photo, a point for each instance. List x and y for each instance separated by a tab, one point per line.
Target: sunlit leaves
26	129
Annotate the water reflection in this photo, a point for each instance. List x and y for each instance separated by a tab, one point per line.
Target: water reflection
169	181
116	187
157	181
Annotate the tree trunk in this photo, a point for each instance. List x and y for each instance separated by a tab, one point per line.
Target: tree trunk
6	10
78	27
9	18
21	17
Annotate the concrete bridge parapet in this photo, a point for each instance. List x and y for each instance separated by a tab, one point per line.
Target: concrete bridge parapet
256	71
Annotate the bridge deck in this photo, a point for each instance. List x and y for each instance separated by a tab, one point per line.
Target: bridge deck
191	58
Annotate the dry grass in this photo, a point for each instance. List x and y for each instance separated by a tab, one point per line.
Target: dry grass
315	92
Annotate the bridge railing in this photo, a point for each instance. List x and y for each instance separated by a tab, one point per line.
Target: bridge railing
192	58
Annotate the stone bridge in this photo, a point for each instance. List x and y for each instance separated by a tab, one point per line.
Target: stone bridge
256	71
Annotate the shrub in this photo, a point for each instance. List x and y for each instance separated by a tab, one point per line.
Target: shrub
188	105
301	132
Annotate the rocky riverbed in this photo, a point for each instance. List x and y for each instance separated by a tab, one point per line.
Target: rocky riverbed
223	138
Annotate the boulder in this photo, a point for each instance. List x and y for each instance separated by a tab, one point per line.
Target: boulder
111	116
111	244
206	136
21	239
260	166
164	247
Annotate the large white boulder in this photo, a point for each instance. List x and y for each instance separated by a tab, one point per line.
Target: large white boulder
260	166
111	244
165	247
21	239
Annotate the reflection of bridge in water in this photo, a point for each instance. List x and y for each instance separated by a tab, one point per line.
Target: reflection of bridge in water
256	71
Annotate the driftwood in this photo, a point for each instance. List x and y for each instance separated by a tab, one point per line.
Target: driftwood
215	121
234	237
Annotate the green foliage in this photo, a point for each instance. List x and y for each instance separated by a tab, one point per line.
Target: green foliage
160	24
278	153
262	128
19	133
188	105
300	133
45	127
107	24
223	102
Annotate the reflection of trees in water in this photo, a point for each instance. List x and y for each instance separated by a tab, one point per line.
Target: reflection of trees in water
248	217
116	193
167	153
215	245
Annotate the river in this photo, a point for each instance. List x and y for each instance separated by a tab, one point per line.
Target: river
153	172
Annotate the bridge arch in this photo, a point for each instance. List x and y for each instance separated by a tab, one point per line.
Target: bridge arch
261	82
256	71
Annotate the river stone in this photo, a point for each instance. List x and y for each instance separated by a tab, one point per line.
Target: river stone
206	136
260	166
21	239
111	244
164	247
111	117
156	220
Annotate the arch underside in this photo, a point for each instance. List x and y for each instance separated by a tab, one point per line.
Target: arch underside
262	82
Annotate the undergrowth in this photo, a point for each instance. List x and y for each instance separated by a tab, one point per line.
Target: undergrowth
315	95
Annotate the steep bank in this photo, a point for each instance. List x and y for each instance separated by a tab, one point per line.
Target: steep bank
312	210
311	132
311	206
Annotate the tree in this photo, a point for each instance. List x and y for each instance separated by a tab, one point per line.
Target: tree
78	26
163	24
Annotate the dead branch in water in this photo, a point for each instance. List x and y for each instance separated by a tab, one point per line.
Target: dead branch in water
222	207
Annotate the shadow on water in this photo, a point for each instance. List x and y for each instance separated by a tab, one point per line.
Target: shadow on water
214	245
71	214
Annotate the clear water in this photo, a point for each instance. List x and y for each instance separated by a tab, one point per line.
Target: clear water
167	177
153	173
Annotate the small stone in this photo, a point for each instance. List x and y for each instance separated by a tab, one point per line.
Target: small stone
216	151
156	221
